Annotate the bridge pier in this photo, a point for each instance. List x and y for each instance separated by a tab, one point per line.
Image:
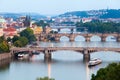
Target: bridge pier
118	38
103	38
87	38
57	37
86	55
47	56
59	29
72	29
71	38
41	37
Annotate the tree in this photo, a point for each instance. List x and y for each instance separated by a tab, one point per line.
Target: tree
4	47
9	39
21	42
98	26
2	39
15	38
111	72
45	78
41	23
28	33
17	43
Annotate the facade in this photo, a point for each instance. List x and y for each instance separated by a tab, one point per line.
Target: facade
47	29
37	30
9	32
2	22
1	31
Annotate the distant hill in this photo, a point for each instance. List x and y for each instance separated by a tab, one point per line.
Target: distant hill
34	16
103	13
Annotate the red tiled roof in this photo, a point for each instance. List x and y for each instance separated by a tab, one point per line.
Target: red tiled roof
9	29
11	34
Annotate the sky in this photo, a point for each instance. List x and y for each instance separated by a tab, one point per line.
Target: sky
51	7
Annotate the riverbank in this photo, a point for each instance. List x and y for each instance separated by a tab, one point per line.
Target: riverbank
4	56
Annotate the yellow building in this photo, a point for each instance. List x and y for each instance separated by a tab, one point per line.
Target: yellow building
37	30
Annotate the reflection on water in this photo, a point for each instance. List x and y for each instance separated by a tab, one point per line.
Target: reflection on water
65	65
80	44
4	65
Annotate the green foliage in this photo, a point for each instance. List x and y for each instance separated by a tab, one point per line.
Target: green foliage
111	72
21	42
15	38
28	33
41	23
2	39
99	27
4	47
45	78
18	43
9	39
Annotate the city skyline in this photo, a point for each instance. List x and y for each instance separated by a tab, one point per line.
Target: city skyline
54	7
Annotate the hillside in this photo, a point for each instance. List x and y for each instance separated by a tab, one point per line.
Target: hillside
17	15
104	13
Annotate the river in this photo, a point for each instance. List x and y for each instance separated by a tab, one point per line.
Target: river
65	65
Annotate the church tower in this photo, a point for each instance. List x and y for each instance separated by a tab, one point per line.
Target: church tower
27	21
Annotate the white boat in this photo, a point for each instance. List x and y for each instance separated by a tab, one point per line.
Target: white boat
94	62
23	56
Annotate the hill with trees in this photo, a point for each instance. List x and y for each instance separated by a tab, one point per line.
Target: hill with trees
103	13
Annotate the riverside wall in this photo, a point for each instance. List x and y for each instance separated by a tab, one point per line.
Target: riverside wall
4	56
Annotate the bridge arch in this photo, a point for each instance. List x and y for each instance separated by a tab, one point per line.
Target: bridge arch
111	38
79	38
67	55
95	38
64	38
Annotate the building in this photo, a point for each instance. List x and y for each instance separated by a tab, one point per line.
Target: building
37	30
9	32
2	22
47	29
84	20
1	31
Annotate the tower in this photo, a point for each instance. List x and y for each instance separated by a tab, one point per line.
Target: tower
27	21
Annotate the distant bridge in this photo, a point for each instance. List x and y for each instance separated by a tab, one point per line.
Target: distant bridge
86	51
72	36
67	27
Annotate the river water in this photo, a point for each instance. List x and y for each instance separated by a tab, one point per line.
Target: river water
65	65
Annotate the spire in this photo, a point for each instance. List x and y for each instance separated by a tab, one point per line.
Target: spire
27	21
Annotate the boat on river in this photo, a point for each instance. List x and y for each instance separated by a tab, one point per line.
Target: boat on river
23	56
94	62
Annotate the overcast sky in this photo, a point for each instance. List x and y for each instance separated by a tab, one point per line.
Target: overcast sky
50	7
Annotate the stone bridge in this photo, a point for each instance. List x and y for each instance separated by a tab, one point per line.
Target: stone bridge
72	36
47	51
58	28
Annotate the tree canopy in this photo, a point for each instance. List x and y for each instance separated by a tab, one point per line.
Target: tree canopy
21	42
111	72
28	33
99	27
41	23
4	47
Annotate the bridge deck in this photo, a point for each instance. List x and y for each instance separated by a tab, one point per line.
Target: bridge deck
89	49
